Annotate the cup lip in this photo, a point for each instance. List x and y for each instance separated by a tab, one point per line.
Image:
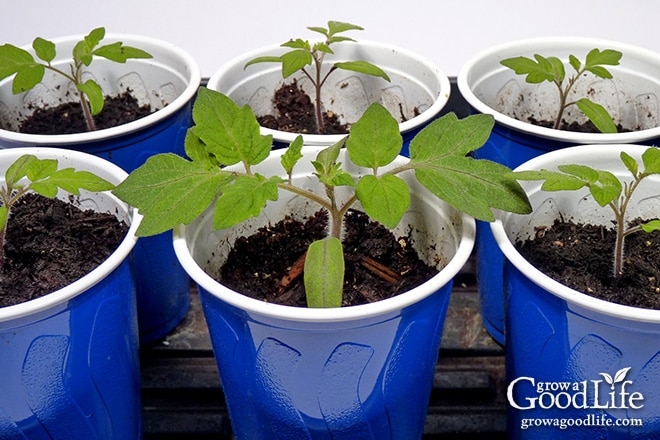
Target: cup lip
340	314
571	296
503	50
114	174
440	100
193	76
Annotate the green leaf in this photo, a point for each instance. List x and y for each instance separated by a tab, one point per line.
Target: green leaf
170	190
230	133
596	58
438	156
375	139
14	60
41	169
653	225
266	59
73	181
322	47
324	273
292	155
94	95
44	49
83	51
572	59
537	71
651	160
320	30
581	171
603	185
326	159
298	43
294	61
336	27
19	169
44	188
554	181
556	68
338	39
563	183
449	135
363	67
384	199
598	115
606	189
197	152
473	186
119	53
243	199
630	163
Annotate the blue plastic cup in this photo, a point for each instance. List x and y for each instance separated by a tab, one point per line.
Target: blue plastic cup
588	366
69	359
361	372
491	88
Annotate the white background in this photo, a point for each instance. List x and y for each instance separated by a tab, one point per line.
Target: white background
447	32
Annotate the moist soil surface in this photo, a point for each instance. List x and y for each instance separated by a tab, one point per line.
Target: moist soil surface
582	257
587	127
68	118
296	113
50	244
378	265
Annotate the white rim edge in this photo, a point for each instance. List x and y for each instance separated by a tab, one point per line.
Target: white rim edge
549	133
194	80
324	139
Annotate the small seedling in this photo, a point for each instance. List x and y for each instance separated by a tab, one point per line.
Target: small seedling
169	190
30	72
552	69
607	190
305	54
44	178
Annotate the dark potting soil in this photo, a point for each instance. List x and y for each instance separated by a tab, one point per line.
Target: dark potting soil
68	118
582	257
378	265
586	127
51	243
296	113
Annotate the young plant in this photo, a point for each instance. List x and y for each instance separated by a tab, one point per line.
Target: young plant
552	69
169	190
41	176
607	190
30	72
305	54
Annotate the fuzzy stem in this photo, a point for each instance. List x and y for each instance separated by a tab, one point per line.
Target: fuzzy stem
87	111
89	119
8	199
307	194
619	248
76	78
563	96
621	232
318	61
